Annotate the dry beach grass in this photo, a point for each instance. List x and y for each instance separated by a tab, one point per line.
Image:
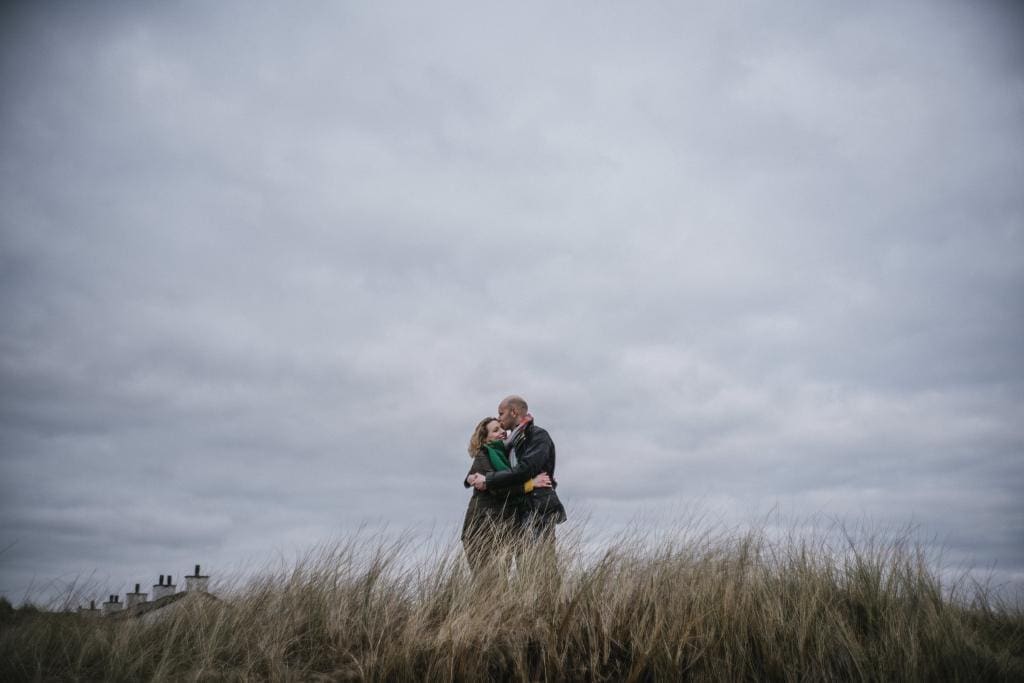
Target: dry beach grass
716	606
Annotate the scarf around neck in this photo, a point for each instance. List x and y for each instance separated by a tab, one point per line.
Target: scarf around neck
496	454
517	435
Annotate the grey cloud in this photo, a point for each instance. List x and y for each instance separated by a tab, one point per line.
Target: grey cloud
279	263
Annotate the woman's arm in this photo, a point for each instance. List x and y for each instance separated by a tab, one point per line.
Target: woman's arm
481	465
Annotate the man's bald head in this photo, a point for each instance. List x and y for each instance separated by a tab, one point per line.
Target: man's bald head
517	402
511	410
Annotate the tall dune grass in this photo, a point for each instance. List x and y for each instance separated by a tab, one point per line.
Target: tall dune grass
715	606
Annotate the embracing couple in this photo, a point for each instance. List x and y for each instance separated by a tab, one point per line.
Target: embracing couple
514	505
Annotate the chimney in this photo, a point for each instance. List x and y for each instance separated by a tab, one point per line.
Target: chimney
113	605
163	589
89	611
196	583
135	598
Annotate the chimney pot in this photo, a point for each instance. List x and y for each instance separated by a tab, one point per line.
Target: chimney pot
197	582
164	588
136	598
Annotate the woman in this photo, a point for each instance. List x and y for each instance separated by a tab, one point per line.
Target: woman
491	516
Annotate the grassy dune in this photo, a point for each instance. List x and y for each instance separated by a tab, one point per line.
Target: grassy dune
717	606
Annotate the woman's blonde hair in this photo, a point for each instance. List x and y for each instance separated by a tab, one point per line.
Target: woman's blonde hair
479	438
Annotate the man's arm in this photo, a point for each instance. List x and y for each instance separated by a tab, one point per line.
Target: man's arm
529	463
541	481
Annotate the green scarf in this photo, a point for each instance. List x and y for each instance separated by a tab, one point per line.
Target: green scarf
496	452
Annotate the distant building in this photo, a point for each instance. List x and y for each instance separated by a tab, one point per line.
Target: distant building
166	600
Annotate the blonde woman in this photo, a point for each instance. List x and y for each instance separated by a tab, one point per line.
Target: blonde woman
491	518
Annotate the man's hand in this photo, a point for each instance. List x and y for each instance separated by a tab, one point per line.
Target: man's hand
477	481
542	481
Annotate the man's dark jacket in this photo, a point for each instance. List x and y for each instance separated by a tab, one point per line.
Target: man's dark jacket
535	453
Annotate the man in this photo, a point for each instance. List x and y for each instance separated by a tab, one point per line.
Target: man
531	451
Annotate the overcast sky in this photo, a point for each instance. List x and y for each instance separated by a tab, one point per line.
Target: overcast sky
262	268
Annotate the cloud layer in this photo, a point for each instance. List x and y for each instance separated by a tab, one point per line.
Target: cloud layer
262	269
